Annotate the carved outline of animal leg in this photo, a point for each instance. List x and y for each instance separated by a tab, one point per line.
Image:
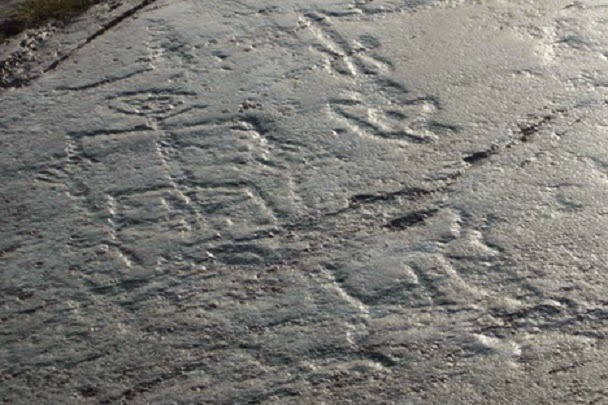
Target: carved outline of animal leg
128	257
268	170
270	196
170	219
110	201
81	196
274	174
165	149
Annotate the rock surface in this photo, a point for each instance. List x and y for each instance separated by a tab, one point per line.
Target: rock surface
295	202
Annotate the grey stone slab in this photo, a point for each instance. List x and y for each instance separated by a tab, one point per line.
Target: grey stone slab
231	202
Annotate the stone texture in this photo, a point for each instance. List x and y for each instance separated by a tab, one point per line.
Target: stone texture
348	201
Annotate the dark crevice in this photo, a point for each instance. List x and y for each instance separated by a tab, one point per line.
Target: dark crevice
525	133
478	157
527	130
10	249
381	358
411	219
410	193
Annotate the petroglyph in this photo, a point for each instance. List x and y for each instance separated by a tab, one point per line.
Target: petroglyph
235	155
157	104
259	201
375	104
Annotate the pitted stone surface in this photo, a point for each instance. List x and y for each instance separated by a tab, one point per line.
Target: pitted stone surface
348	201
